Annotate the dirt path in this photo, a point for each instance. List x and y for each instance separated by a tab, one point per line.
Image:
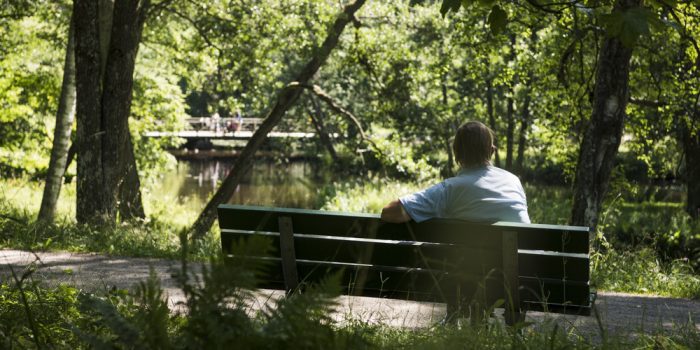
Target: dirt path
619	312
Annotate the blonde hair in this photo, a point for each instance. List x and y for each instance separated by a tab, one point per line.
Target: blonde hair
473	144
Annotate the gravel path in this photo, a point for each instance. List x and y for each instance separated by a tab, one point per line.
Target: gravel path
620	313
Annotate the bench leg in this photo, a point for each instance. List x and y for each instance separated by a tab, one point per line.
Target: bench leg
289	261
510	277
513	318
454	305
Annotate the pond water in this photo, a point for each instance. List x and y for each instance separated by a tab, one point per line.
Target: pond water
296	184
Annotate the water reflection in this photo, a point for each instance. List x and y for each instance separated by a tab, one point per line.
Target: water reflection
295	184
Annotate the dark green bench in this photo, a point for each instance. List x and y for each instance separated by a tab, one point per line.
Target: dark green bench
528	266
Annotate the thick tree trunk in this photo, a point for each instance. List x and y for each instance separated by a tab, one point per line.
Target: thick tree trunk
603	135
107	160
127	26
286	98
492	117
91	205
61	138
691	149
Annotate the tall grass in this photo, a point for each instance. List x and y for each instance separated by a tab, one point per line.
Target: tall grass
157	236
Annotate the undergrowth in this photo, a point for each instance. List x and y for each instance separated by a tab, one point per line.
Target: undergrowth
219	312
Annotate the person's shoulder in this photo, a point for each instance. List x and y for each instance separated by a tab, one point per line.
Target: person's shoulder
502	172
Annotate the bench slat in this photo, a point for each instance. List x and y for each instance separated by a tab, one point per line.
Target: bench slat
351	251
544	237
407	254
424	285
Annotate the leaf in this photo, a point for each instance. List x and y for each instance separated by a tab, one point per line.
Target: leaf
484	3
497	19
448	5
629	25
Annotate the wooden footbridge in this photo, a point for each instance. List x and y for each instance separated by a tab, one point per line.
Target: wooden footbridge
225	129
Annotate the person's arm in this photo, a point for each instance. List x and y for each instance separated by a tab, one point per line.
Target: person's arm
394	212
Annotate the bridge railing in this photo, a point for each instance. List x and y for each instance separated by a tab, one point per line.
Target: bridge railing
224	124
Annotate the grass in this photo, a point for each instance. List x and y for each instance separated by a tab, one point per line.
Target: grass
157	236
642	272
644	248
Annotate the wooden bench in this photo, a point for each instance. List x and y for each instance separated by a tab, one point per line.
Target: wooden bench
527	266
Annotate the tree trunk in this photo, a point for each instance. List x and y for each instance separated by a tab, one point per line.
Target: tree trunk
524	123
90	206
525	112
106	13
492	117
127	26
603	135
510	109
691	149
130	201
61	138
286	98
317	119
510	129
524	127
448	171
69	158
105	153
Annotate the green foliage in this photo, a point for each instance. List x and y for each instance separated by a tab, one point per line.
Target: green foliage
399	160
32	316
630	24
365	197
641	271
29	88
158	105
140	319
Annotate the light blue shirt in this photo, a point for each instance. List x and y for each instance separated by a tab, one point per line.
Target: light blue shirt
485	194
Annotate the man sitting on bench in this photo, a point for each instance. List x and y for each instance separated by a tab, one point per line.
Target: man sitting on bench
480	192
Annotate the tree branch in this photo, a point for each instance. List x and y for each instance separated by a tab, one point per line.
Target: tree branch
199	30
336	107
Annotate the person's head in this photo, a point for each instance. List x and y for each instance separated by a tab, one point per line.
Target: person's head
473	145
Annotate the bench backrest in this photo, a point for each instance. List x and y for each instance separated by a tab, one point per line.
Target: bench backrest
538	267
